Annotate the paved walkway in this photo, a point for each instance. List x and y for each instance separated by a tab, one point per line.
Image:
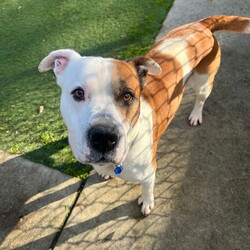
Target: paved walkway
202	187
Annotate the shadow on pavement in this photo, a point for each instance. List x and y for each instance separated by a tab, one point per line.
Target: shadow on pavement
35	200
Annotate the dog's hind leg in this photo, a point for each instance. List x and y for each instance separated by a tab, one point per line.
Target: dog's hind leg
201	81
202	86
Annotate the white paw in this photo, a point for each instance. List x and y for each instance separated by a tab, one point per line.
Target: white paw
146	205
105	173
195	118
106	177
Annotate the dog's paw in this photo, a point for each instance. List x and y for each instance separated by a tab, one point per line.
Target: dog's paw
106	177
195	118
104	173
146	205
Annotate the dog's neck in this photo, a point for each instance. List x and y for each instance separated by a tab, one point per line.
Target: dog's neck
141	135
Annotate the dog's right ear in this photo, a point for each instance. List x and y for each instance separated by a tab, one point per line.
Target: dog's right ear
58	60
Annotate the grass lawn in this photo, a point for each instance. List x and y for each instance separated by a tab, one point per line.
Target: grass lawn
28	31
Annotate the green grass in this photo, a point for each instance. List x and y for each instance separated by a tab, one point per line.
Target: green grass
28	31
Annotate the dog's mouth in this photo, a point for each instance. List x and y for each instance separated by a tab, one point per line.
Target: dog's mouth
102	160
114	157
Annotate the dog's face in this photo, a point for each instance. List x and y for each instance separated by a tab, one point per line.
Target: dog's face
100	102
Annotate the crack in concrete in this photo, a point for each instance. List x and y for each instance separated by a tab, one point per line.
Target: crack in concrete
58	234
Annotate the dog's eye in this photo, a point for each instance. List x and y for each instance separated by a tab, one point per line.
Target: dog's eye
128	97
78	94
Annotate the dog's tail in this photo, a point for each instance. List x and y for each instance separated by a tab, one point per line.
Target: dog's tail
228	23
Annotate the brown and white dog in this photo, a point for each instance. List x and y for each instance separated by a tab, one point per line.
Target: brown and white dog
116	111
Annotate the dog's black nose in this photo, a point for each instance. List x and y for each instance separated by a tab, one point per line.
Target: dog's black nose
103	139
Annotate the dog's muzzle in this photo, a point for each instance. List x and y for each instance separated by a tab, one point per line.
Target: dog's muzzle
103	138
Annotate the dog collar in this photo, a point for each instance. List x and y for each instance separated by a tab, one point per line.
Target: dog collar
118	169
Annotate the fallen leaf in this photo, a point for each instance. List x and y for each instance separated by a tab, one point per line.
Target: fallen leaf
41	109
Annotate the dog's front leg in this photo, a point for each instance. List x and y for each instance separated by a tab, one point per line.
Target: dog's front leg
146	200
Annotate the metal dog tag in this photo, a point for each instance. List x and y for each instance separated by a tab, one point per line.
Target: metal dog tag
118	169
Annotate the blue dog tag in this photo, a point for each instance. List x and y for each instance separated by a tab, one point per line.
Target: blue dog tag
118	169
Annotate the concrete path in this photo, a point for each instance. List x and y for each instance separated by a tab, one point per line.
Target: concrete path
35	201
202	191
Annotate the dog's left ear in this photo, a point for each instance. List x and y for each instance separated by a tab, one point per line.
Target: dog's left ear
145	66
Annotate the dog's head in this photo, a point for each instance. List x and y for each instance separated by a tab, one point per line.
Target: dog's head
100	101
